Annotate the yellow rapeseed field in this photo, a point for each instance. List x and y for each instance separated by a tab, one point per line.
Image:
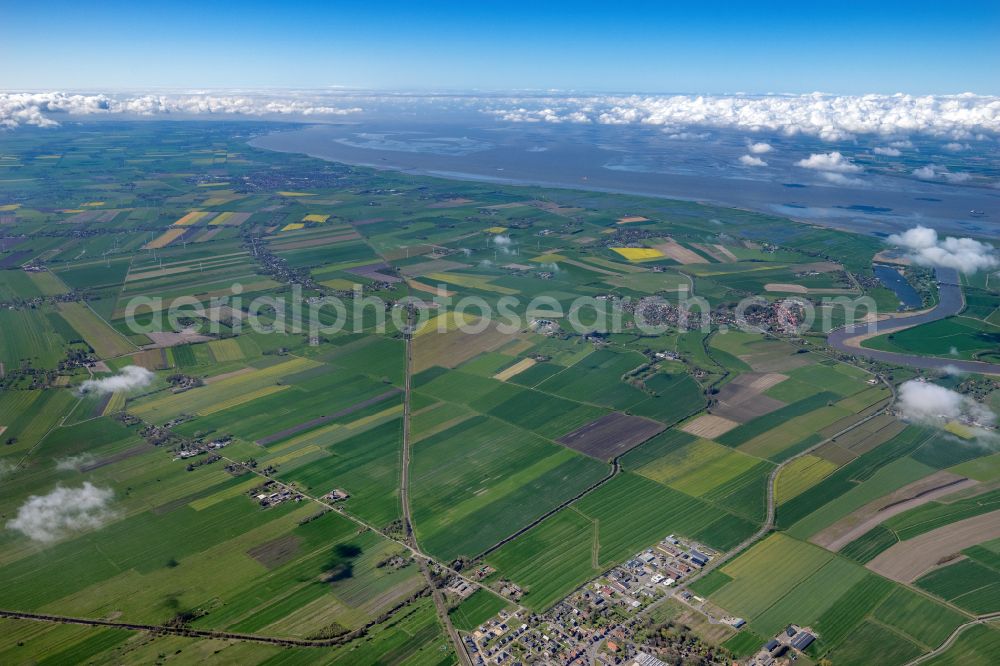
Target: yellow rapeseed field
638	253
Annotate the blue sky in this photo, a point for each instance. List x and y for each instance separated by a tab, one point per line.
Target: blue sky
709	47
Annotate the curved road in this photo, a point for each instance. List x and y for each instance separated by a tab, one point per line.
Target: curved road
950	303
982	619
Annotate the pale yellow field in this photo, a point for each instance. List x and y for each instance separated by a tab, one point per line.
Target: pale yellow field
632	218
639	253
472	281
293	226
372	418
240	399
339	283
420	286
443	323
193	217
116	404
802	474
515	369
495	230
168	237
226	350
709	426
296	194
231	491
315	217
679	253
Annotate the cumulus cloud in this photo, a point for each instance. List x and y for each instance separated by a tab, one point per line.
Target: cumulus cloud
830	117
967	255
934	172
128	378
955	146
930	404
50	517
832	162
750	160
888	151
759	148
841	179
46	108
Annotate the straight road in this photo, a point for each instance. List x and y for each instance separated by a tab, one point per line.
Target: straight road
404	496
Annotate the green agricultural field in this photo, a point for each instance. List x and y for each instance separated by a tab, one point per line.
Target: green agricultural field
922	620
846	480
106	342
757	583
887	479
617	520
838	622
476	609
810	599
874	639
471	484
171	538
976	646
550	560
29	339
366	466
967	584
956	337
800	475
219	395
698	468
932	515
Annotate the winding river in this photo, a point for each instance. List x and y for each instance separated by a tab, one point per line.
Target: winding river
950	302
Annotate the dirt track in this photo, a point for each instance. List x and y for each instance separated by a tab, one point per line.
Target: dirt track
907	560
874	513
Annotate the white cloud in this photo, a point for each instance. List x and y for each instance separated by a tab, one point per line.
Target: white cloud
128	378
833	162
759	148
933	172
45	109
888	151
841	179
63	511
967	255
930	404
750	160
955	146
957	118
830	117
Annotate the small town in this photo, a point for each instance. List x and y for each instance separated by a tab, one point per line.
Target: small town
597	623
